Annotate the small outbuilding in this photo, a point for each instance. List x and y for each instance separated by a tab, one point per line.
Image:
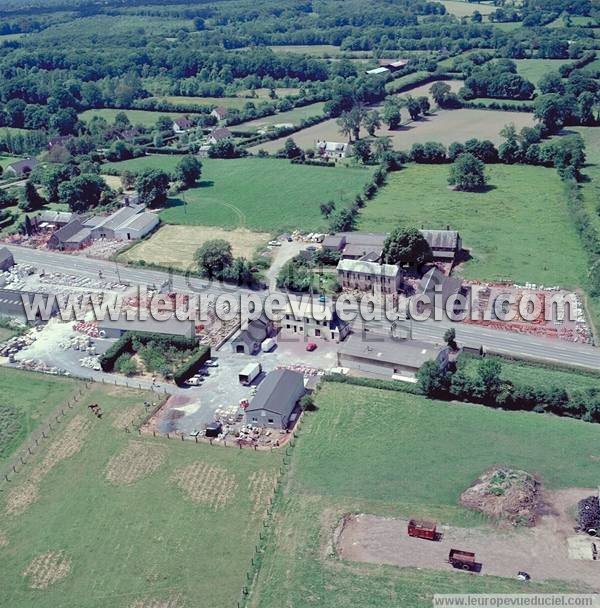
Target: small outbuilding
247	341
276	399
7	260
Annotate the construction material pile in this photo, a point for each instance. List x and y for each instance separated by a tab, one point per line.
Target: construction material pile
506	494
41	366
16	344
88	328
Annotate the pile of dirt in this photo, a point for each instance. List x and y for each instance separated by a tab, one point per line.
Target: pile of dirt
506	494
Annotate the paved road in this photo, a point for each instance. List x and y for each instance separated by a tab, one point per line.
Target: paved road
552	351
13	184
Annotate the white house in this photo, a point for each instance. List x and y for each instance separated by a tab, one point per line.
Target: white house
333	149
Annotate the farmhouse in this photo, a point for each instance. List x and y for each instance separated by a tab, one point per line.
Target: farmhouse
356	245
440	288
333	149
7	260
393	65
182	124
400	359
220	113
276	399
248	341
313	319
21	168
109	328
11	303
74	235
52	219
445	244
219	135
369	276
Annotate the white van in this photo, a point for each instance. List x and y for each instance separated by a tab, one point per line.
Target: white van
267	345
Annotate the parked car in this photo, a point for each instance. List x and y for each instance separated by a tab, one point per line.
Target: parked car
322	298
311	346
211	363
194	381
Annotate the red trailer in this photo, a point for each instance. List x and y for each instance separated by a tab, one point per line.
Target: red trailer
421	528
463	560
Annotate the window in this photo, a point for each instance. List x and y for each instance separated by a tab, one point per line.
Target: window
270	421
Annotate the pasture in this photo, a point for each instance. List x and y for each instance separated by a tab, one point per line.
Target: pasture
174	246
21	412
534	69
316	50
261	194
466	9
518	230
410	443
444	126
146	118
105	518
293	117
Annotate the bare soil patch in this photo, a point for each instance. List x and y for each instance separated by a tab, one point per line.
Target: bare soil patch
68	443
206	484
47	569
20	498
175	246
123	418
542	551
261	485
505	494
136	461
172	602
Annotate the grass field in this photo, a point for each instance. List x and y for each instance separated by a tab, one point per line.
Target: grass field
104	518
534	69
536	375
519	230
175	246
9	160
444	126
146	118
465	9
394	454
21	411
317	50
261	194
487	101
292	117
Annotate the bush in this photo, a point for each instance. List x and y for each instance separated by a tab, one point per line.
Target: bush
126	365
191	367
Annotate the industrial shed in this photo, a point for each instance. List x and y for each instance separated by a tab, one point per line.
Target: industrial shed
390	358
276	399
171	327
7	260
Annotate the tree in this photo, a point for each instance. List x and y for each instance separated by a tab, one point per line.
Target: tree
345	124
509	151
391	113
406	246
450	338
213	257
122	121
127	179
489	372
152	186
467	173
7	199
343	221
290	149
424	104
552	110
31	200
362	151
414	107
327	208
440	91
372	122
83	192
164	123
431	379
188	170
383	145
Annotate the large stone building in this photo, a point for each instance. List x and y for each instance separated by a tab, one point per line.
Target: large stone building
369	276
313	319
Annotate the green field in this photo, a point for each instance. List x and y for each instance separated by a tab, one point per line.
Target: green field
257	193
461	8
395	454
521	372
227	102
290	117
128	530
519	230
488	101
534	69
146	118
21	412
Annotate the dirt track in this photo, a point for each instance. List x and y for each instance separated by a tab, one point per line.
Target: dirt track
540	551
